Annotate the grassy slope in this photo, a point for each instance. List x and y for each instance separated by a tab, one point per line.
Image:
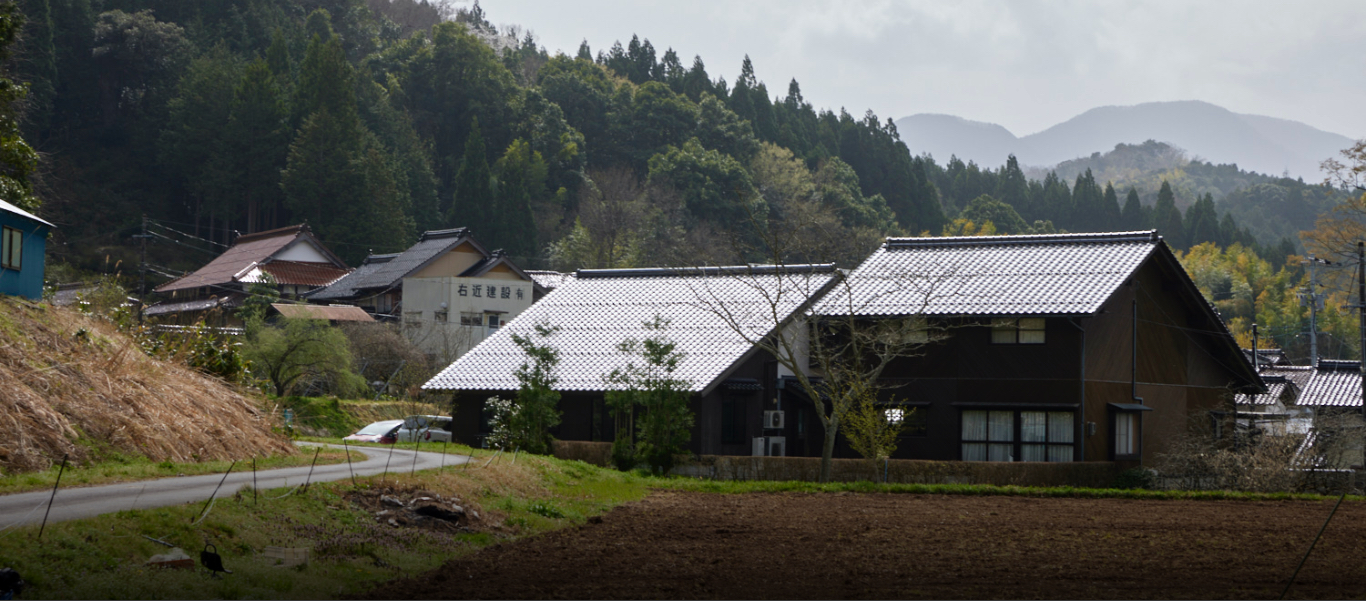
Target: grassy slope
75	386
102	557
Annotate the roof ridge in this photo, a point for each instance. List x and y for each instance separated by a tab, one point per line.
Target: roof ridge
648	272
448	233
1134	236
302	227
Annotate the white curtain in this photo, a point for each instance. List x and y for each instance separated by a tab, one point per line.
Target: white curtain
1060	453
1000	452
974	451
1002	426
1060	426
1033	452
974	425
1033	426
1124	434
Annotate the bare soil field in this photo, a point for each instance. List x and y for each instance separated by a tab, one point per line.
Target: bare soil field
809	546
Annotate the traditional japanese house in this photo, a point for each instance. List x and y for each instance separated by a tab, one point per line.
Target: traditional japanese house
598	310
1076	347
449	292
290	259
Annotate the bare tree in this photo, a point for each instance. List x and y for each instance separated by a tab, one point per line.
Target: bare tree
821	327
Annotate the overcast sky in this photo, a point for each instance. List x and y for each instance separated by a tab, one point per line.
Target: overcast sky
1024	65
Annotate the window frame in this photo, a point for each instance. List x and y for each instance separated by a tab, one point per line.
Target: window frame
1009	330
1015	441
11	240
1135	435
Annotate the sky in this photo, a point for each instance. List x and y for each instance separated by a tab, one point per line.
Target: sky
1023	64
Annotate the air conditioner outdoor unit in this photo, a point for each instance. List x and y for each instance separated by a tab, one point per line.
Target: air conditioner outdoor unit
759	446
773	420
777	446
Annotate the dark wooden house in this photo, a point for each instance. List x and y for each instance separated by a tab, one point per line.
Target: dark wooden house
1079	347
597	310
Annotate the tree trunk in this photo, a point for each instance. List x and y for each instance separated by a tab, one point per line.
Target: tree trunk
828	449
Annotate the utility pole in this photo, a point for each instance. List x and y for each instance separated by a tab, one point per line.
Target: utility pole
1314	299
142	270
1361	314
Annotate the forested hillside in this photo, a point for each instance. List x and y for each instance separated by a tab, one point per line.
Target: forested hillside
374	121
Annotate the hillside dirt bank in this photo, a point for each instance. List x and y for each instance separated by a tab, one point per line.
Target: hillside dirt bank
807	546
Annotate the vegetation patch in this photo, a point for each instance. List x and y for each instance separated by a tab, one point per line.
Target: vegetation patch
350	548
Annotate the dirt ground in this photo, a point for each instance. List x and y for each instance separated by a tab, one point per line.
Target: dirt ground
810	546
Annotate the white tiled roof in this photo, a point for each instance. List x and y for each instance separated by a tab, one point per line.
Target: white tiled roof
993	275
599	309
1335	384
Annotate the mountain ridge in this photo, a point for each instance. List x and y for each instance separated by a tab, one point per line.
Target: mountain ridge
1265	144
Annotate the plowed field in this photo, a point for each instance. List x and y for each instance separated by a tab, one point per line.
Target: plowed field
814	546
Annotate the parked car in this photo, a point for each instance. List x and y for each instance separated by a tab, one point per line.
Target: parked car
384	432
426	428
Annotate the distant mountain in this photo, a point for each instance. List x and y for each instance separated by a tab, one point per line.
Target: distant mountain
1205	131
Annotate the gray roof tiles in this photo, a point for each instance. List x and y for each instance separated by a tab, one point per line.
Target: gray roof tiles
993	275
389	270
1335	384
597	313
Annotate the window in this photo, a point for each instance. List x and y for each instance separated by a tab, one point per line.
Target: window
1017	330
12	249
1126	434
494	322
471	319
441	316
1042	436
912	419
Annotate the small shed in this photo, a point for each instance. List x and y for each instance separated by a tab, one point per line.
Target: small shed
23	248
332	313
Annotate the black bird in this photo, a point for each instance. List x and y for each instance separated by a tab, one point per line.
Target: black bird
212	560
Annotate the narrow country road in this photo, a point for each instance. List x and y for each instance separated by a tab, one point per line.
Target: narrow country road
76	503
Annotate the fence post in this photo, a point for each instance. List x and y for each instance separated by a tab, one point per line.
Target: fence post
60	471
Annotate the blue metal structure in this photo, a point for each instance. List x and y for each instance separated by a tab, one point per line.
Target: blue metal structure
23	247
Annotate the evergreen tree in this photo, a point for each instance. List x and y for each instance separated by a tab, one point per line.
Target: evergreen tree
1167	218
258	138
521	182
585	53
1110	209
17	158
277	55
321	183
697	81
1012	187
1202	223
38	62
326	79
473	195
1131	218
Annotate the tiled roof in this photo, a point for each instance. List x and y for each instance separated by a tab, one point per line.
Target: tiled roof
1335	384
600	309
328	312
387	273
550	280
1283	383
303	273
344	288
200	304
248	251
993	275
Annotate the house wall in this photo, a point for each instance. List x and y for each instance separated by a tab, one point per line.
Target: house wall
28	280
1181	372
451	264
302	251
448	339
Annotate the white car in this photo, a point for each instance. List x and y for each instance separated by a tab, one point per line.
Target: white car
425	428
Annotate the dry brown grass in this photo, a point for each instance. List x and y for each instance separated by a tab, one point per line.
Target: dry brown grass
74	385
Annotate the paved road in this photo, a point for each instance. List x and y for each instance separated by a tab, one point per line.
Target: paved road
76	503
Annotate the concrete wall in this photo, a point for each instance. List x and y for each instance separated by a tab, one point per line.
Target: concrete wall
448	339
